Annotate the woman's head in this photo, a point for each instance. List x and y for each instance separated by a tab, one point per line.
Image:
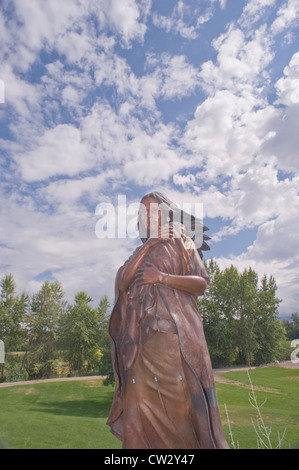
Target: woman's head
157	210
153	213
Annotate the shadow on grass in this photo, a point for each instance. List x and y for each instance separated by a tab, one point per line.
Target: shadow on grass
82	408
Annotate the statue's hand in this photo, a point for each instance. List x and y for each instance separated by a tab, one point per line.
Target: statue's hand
166	231
172	231
149	274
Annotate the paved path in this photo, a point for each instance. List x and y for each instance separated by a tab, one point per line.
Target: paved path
218	374
64	379
221	378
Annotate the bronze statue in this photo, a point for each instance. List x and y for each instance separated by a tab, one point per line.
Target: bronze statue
165	396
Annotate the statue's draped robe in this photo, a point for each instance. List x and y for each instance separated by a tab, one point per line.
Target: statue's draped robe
165	395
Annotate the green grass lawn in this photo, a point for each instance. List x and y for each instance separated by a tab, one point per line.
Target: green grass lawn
280	388
56	415
72	415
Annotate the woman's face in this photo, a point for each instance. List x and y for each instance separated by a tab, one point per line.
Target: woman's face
152	217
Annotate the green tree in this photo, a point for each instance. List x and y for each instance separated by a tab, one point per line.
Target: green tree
269	331
244	319
46	309
292	327
216	310
240	318
13	311
80	334
13	332
106	367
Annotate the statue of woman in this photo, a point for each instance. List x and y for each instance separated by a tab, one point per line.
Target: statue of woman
164	395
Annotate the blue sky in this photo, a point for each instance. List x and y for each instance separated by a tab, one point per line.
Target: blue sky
196	99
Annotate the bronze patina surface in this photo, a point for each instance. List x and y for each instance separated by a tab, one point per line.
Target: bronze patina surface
165	395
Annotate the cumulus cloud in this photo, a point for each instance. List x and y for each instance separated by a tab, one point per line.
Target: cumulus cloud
174	76
60	151
240	61
63	244
282	146
255	10
124	18
226	133
274	252
287	15
41	25
82	124
288	86
261	196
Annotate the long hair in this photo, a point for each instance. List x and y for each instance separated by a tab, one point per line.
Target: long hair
174	214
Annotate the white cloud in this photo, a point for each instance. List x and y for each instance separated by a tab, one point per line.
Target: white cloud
63	26
282	147
275	252
277	238
255	10
260	195
144	151
75	46
124	18
226	133
77	147
103	136
62	243
185	19
60	151
173	75
66	194
288	86
166	77
183	180
153	168
287	16
240	62
71	96
37	24
19	93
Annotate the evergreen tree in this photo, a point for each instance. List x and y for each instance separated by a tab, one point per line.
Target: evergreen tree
82	329
13	311
47	306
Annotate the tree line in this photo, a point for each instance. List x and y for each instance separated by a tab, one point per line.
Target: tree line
240	318
45	336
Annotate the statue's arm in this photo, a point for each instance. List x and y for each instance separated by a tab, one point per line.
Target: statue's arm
150	274
128	271
195	285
